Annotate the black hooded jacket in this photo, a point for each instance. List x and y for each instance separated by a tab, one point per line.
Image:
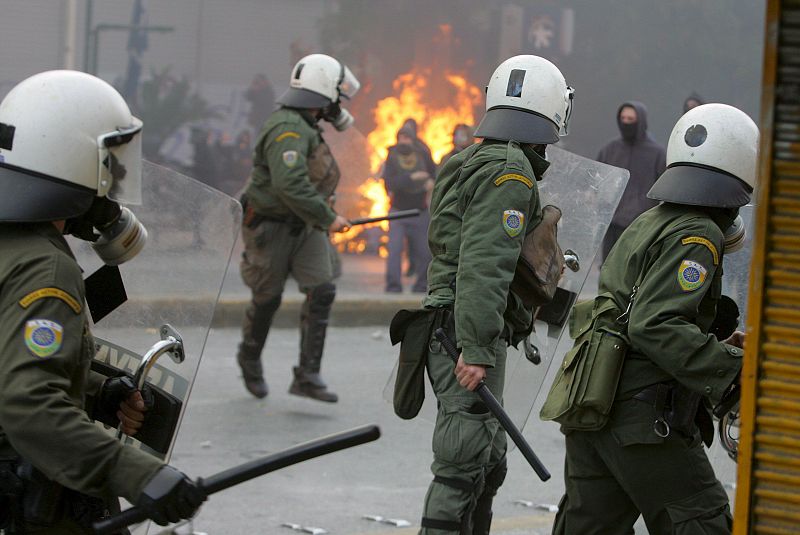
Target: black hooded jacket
644	158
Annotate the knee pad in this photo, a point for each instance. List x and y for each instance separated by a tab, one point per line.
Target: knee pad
495	478
322	295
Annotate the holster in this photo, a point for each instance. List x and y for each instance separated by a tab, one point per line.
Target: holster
11	489
682	409
413	330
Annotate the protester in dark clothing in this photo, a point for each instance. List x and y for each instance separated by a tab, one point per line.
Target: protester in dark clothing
408	177
692	101
262	101
640	154
410	125
463	137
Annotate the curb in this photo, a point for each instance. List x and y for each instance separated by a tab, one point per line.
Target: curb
347	311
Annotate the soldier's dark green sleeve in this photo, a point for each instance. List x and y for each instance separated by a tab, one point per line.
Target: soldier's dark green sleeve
487	259
43	377
286	155
663	321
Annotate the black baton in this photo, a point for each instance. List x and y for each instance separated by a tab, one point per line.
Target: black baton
400	214
498	411
252	469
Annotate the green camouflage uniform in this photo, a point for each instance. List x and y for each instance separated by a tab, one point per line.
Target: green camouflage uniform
290	189
614	474
45	352
483	201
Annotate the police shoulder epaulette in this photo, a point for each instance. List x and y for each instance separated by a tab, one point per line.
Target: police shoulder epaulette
513	176
703	241
57	293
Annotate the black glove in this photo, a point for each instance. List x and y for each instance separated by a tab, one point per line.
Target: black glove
170	496
115	390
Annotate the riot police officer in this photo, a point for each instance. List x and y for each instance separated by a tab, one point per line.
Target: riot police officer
666	270
288	213
70	152
484	202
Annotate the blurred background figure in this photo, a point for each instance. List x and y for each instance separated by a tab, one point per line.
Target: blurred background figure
262	101
636	151
412	127
408	176
463	137
692	101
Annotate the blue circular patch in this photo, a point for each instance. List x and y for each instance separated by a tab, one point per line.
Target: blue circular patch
696	135
43	336
691	274
513	221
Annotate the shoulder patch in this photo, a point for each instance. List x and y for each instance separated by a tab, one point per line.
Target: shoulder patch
703	241
691	275
513	176
43	337
41	293
287	135
290	158
513	221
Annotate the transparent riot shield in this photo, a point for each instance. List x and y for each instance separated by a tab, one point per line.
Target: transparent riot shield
735	284
172	289
587	192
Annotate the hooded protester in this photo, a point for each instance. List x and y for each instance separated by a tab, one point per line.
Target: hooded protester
408	178
636	151
692	101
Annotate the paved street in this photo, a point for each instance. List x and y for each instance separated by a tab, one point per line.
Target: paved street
224	426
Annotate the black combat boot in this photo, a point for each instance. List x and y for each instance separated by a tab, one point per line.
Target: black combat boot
313	326
258	319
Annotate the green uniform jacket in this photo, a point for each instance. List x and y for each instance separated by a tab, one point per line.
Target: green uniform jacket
279	185
45	352
675	304
479	217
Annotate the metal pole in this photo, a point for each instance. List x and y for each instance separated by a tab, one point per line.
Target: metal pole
87	42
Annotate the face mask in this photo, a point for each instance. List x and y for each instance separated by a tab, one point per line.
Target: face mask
735	235
405	150
339	117
629	130
121	236
538	161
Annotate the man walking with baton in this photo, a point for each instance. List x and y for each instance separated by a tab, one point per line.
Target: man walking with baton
485	201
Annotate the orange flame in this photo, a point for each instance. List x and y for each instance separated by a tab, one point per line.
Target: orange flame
437	105
435	123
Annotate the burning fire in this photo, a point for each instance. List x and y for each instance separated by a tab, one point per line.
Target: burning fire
437	105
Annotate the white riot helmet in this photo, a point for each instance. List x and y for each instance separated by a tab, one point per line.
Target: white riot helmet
69	147
527	100
320	81
712	158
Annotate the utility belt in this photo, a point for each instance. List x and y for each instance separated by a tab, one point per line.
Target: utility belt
29	501
252	219
677	409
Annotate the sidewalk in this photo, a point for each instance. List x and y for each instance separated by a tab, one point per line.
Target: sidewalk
360	299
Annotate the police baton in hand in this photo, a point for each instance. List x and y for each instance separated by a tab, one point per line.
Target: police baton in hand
498	411
253	469
400	214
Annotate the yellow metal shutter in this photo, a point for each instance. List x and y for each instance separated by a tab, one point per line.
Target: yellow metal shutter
768	494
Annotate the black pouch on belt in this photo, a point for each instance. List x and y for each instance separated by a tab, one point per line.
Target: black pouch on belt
681	415
10	494
412	329
42	501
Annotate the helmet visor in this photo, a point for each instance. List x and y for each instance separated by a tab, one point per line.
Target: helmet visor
120	164
349	85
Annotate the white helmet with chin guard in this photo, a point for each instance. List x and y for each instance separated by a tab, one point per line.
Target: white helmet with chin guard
527	100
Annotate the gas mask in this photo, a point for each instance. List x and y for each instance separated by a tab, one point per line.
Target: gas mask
340	118
735	235
121	236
